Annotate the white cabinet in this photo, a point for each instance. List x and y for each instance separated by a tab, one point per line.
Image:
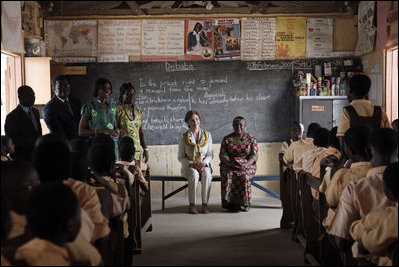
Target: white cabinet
37	76
324	110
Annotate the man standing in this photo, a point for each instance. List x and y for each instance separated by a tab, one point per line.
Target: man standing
23	124
61	114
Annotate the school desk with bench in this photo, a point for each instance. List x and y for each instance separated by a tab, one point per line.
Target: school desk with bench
254	181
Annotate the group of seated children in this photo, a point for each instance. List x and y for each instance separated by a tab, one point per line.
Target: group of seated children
361	191
59	209
357	163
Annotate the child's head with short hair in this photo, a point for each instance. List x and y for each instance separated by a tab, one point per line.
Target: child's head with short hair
53	213
7	145
384	146
79	145
322	137
312	128
79	166
127	149
334	141
359	87
356	142
126	139
52	158
18	178
296	130
390	178
101	159
103	139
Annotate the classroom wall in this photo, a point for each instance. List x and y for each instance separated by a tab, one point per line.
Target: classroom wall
163	161
374	66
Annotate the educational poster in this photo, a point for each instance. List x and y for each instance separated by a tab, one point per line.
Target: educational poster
71	37
119	37
162	40
226	36
199	45
366	30
268	38
258	40
290	37
319	36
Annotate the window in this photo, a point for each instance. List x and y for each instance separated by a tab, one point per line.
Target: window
11	79
391	94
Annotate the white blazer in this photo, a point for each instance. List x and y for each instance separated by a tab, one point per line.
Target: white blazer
187	152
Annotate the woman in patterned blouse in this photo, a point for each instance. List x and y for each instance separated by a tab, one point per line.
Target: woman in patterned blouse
238	156
129	120
98	115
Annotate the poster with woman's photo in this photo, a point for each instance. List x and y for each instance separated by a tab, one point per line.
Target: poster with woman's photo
199	45
226	34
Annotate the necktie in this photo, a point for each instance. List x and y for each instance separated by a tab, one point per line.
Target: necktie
32	118
68	106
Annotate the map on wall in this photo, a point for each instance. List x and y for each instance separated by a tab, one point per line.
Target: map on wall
71	38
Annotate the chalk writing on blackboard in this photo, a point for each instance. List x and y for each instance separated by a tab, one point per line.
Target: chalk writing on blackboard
171	67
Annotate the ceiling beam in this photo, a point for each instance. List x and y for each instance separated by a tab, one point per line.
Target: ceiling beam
199	10
135	7
239	10
261	8
111	12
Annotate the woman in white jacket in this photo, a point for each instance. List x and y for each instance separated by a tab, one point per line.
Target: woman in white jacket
195	155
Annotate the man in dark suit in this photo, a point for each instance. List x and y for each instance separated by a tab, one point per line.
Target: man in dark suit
62	114
23	124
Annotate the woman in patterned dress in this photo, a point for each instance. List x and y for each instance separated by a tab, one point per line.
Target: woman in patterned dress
98	115
238	156
129	120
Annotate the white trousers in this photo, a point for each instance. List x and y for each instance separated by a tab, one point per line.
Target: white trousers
192	177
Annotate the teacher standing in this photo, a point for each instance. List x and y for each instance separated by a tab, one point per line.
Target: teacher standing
99	115
129	120
195	155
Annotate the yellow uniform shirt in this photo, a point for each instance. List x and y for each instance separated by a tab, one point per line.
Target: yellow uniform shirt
363	108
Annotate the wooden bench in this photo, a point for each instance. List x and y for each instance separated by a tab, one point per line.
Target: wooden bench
165	178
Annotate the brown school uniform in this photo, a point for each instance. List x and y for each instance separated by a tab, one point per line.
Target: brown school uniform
357	200
363	108
18	226
378	230
6	158
316	162
339	181
40	252
89	201
113	205
79	250
285	145
297	148
305	163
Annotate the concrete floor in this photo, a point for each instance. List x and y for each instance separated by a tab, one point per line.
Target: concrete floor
219	238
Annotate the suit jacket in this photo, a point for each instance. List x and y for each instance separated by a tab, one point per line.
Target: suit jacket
59	120
20	128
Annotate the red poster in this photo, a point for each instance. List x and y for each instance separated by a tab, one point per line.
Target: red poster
199	45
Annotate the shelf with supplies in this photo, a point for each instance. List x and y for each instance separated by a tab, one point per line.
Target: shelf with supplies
323	97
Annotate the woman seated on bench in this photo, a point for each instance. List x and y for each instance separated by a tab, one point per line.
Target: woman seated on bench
195	155
238	156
